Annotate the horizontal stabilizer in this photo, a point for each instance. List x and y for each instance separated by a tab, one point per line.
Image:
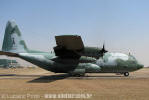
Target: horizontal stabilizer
8	54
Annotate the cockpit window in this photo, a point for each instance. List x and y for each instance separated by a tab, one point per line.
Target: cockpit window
132	58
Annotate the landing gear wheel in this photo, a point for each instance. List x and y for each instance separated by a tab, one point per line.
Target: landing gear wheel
126	74
76	75
79	75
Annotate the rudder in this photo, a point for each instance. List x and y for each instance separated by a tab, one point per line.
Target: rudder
13	41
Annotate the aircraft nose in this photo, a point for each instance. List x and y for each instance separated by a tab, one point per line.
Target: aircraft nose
140	66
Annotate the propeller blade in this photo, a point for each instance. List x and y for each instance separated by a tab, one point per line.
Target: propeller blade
103	50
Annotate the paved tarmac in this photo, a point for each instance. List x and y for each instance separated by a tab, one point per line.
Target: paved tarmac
141	74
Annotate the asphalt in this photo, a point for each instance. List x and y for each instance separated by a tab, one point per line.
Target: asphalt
134	75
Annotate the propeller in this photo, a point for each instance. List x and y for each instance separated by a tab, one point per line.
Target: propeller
103	50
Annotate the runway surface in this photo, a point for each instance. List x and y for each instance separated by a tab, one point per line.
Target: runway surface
142	74
39	82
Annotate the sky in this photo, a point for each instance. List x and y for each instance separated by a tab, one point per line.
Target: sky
122	24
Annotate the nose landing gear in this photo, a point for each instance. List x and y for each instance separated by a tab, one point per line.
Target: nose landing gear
126	74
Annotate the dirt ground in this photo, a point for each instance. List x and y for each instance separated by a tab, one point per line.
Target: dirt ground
38	84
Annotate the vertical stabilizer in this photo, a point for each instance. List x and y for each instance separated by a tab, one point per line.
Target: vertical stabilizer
13	41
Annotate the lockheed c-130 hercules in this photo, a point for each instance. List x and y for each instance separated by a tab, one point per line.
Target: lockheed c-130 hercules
70	55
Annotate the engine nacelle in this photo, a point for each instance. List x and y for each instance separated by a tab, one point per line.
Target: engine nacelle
91	52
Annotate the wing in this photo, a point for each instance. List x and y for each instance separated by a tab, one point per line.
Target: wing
68	46
70	42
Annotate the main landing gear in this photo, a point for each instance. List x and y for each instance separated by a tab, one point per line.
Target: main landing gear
77	75
126	74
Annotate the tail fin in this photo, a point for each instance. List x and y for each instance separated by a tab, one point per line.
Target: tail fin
13	40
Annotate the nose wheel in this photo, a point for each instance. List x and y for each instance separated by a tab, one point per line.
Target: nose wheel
126	74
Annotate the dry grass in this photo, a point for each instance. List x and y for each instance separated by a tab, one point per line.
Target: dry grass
101	88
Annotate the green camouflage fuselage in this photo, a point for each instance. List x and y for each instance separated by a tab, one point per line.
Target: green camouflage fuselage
91	60
109	63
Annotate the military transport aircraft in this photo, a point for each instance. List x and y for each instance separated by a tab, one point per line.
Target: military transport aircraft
71	56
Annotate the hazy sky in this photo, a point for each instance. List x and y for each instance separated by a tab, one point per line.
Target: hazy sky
122	24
